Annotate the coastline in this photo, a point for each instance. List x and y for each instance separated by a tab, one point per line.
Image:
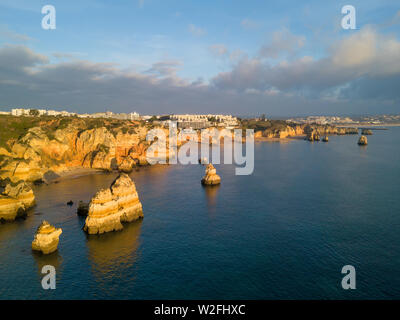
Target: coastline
75	172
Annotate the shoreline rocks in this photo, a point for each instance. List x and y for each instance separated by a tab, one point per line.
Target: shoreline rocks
211	177
366	132
46	238
363	141
15	199
110	207
325	139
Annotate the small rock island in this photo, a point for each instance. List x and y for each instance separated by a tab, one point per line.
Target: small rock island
46	238
112	206
363	141
211	178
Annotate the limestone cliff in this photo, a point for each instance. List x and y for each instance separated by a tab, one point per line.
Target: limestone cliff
76	143
281	130
211	177
112	206
46	238
15	199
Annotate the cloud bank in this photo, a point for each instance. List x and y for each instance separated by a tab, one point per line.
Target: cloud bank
359	74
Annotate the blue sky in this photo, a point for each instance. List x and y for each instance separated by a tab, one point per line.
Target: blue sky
198	55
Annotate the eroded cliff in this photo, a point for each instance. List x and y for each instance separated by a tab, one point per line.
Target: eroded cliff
112	206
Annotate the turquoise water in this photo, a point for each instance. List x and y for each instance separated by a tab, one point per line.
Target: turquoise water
284	232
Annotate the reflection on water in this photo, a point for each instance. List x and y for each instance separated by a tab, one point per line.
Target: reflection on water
114	251
54	259
211	193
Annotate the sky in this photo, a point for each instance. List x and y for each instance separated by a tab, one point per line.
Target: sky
279	58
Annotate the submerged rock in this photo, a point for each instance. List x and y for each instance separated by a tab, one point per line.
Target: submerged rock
83	208
110	207
15	199
363	141
46	238
211	177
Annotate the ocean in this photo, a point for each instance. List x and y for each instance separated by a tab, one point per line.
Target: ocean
284	232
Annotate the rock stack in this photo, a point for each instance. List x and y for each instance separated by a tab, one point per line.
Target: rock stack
211	177
15	199
313	135
110	207
363	141
46	238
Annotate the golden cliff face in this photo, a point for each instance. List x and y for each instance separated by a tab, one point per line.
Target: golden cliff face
110	207
46	238
15	199
37	152
285	131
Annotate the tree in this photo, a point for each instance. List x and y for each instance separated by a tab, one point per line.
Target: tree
34	112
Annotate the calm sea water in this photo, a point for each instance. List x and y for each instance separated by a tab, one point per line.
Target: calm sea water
284	232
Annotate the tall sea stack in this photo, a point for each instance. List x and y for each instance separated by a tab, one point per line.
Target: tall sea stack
211	177
114	205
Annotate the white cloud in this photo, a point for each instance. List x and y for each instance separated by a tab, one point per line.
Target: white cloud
165	68
283	42
196	31
249	24
365	55
218	49
8	34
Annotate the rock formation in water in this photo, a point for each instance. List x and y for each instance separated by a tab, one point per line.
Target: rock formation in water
313	135
363	141
15	199
325	139
83	208
366	132
211	177
46	238
112	206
